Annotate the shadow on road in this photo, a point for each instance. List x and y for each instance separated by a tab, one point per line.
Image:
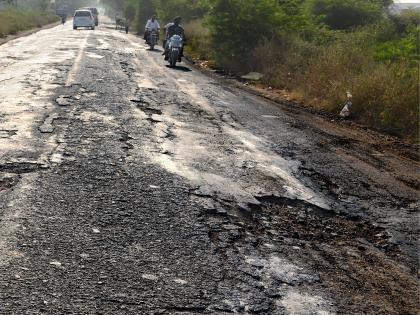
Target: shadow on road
179	68
155	50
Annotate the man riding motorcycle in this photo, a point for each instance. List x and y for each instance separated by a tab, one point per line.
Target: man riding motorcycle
152	25
175	29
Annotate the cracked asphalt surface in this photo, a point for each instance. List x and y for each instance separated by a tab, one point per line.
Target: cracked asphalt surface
127	187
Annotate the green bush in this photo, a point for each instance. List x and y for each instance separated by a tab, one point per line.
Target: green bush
145	10
406	21
237	26
385	94
345	14
406	48
190	10
130	11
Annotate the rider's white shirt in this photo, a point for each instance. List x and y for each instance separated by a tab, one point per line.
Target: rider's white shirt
153	25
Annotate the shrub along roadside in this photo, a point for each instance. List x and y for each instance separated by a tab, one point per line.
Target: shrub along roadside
198	40
378	63
13	21
383	82
385	93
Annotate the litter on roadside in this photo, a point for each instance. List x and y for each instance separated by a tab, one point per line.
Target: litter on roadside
345	112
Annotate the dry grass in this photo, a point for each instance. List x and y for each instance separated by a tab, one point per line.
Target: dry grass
198	38
13	21
385	95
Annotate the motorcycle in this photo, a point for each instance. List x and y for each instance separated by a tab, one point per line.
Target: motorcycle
153	39
174	49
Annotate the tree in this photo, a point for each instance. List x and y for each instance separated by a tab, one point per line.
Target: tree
188	9
406	21
130	11
145	9
383	3
345	14
43	4
238	26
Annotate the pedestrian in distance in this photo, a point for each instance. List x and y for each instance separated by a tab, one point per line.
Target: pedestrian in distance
127	26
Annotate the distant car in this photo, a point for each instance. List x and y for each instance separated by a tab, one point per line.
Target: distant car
83	18
95	14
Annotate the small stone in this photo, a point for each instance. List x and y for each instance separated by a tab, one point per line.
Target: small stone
55	263
63	100
180	281
149	277
270	246
96	231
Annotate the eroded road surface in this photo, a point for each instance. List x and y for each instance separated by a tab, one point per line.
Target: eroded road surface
127	187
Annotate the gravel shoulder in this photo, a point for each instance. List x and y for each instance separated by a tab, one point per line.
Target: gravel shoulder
8	38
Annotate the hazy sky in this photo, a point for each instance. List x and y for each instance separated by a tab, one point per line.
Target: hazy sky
407	1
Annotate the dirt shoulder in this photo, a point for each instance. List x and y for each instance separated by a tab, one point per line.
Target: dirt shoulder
326	122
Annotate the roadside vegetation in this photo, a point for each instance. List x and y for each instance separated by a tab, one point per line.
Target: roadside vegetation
14	20
316	50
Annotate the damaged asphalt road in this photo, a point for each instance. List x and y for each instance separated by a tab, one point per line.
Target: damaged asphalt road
130	188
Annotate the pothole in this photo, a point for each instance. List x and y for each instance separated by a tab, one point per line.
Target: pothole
125	138
48	125
144	105
154	119
5	134
63	100
22	167
7	181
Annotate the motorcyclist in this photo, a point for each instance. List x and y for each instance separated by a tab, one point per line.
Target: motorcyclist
175	29
63	19
151	25
165	28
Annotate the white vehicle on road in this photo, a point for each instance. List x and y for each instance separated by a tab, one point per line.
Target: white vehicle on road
83	18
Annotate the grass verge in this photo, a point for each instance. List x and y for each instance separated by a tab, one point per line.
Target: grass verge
13	21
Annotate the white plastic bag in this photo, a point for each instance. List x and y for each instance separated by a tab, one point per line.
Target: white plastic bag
345	112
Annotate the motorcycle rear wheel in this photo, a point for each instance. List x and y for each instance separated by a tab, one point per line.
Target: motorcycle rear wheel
174	58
